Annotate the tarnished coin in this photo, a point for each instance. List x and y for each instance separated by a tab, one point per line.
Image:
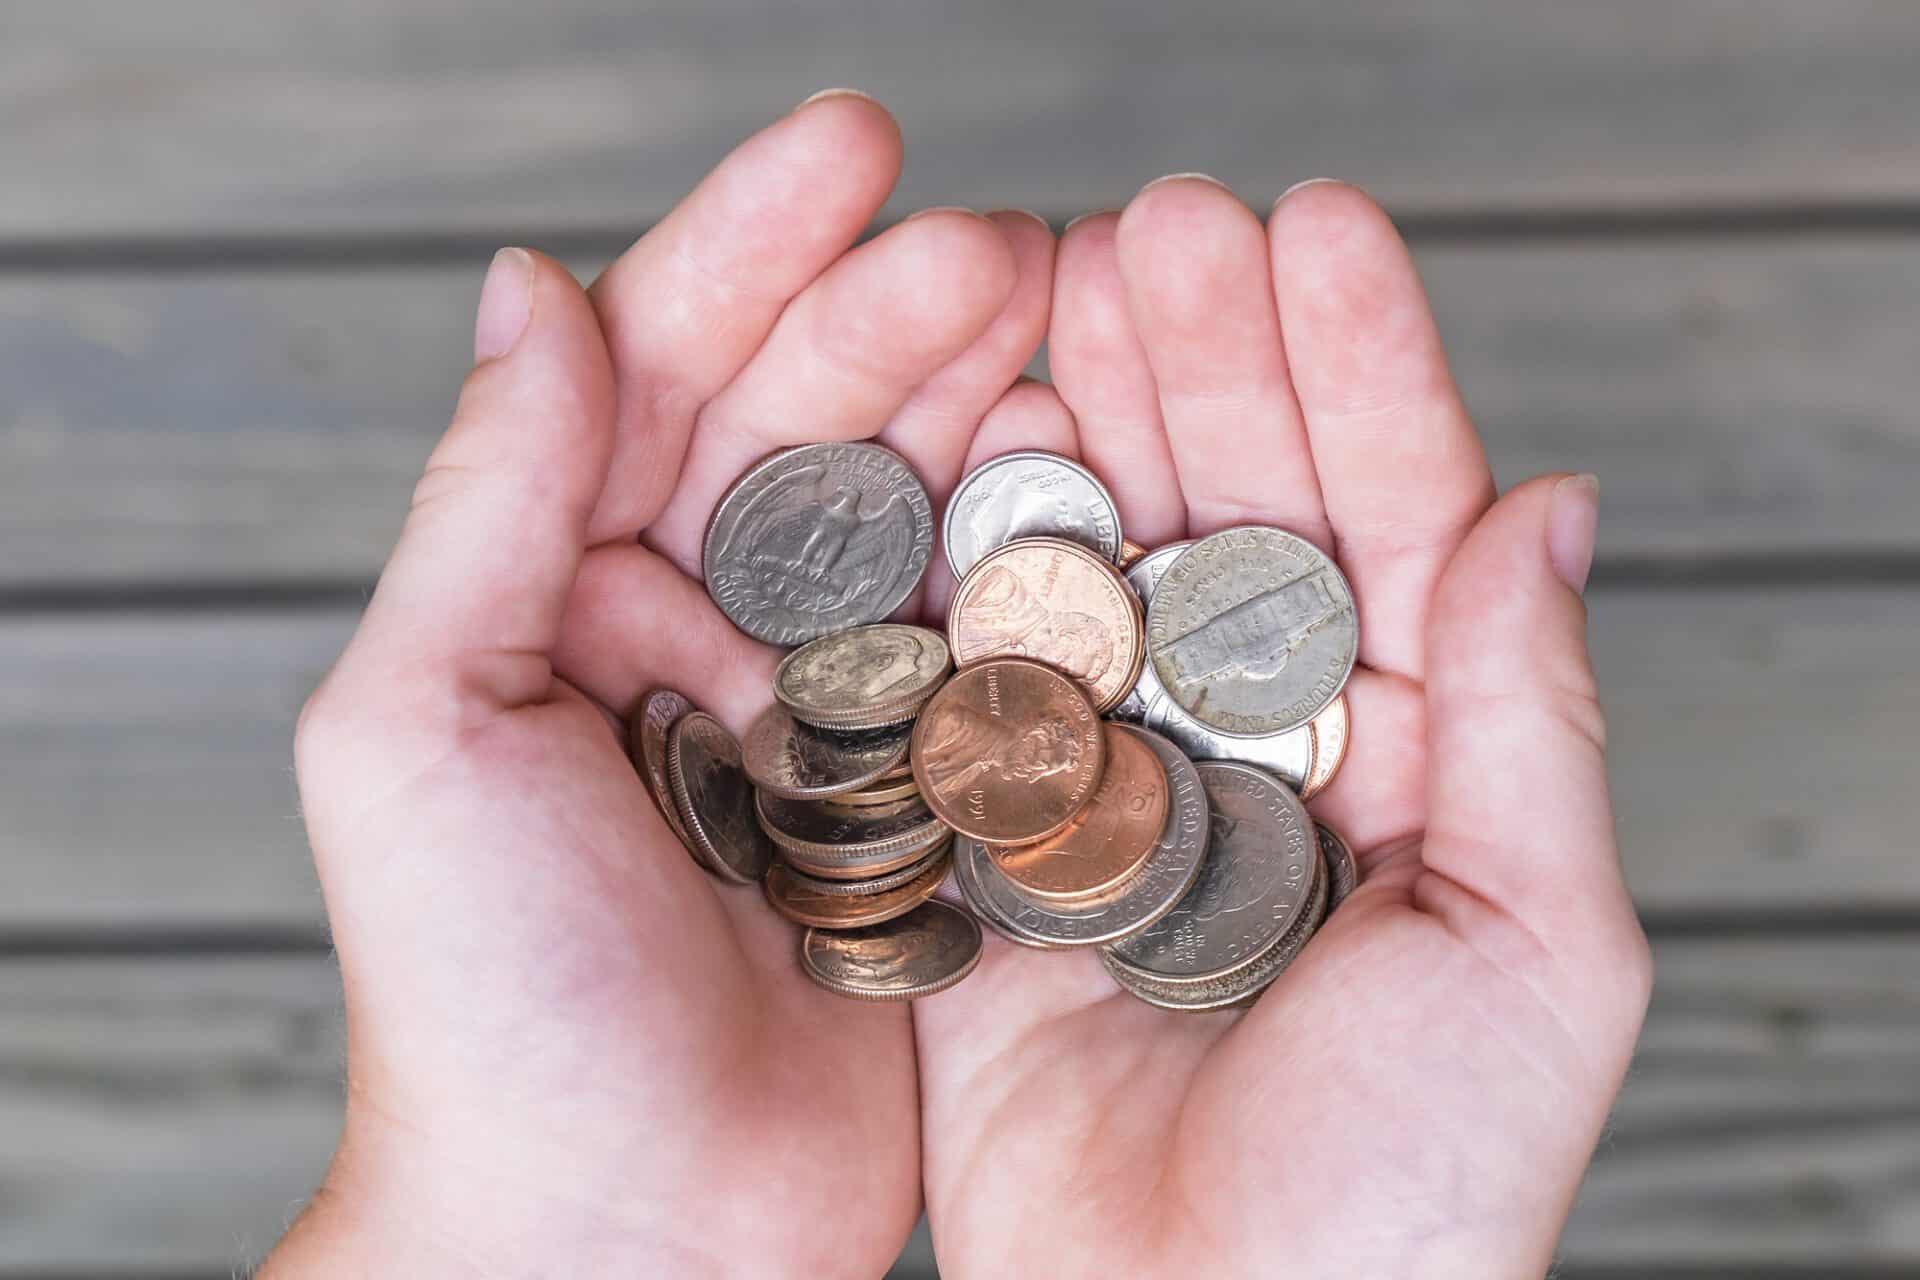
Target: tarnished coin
715	798
1170	872
863	678
817	539
1288	755
1329	747
872	884
1107	841
647	736
801	762
839	843
1262	860
885	791
1056	602
1030	494
798	902
1343	873
1008	751
1252	631
918	954
1130	551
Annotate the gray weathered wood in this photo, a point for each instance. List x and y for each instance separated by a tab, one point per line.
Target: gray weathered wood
1761	756
1740	398
170	1114
367	115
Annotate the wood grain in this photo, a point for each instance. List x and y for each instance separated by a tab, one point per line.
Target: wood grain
365	115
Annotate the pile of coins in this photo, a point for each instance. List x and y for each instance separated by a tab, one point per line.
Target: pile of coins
1109	747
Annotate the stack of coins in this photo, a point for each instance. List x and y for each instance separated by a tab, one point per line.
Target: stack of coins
1119	760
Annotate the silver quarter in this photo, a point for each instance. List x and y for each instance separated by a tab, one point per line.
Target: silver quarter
1252	631
1257	880
1030	494
817	539
797	761
1343	873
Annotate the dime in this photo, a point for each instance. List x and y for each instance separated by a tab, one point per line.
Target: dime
715	798
1261	865
1252	631
884	791
1329	747
1130	551
923	952
1107	841
800	903
872	884
1057	602
1030	494
837	843
1008	751
658	711
800	762
1170	872
1343	873
817	539
864	678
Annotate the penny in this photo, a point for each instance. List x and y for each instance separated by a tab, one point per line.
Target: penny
838	843
1329	747
795	760
1343	873
816	539
1252	631
1170	872
863	678
884	791
658	711
799	903
871	884
1008	751
1030	494
1130	551
1056	602
1107	841
1258	879
715	798
914	955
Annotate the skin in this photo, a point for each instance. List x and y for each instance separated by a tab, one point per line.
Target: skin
571	1052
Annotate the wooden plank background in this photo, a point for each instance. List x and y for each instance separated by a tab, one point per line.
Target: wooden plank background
1677	243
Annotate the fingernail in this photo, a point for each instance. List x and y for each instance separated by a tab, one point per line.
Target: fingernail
1186	177
1022	213
940	208
834	93
1091	213
506	304
1310	182
1572	517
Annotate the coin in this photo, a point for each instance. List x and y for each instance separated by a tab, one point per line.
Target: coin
884	791
1329	747
1008	751
1343	873
1142	573
863	678
1030	494
1130	551
838	843
714	797
1056	602
800	903
1107	841
1169	873
1258	878
1252	631
795	760
816	539
918	954
658	711
872	884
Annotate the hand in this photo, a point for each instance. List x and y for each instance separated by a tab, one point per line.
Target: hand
570	1051
1419	1093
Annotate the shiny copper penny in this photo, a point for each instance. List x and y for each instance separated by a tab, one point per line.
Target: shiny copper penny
1059	603
715	798
1107	842
792	898
1330	735
647	736
1009	751
1129	552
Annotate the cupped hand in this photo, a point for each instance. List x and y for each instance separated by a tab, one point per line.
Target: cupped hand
570	1051
1420	1092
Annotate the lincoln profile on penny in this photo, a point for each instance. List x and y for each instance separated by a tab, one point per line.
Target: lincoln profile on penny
963	744
1074	642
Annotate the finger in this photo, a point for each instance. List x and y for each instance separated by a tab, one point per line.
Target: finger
1195	264
1401	469
1097	362
686	307
1518	810
844	356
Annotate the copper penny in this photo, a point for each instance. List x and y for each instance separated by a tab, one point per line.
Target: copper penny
1110	839
1055	601
1008	751
1129	552
648	737
918	954
1330	735
802	905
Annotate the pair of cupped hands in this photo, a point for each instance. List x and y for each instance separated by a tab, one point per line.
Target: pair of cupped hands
571	1052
